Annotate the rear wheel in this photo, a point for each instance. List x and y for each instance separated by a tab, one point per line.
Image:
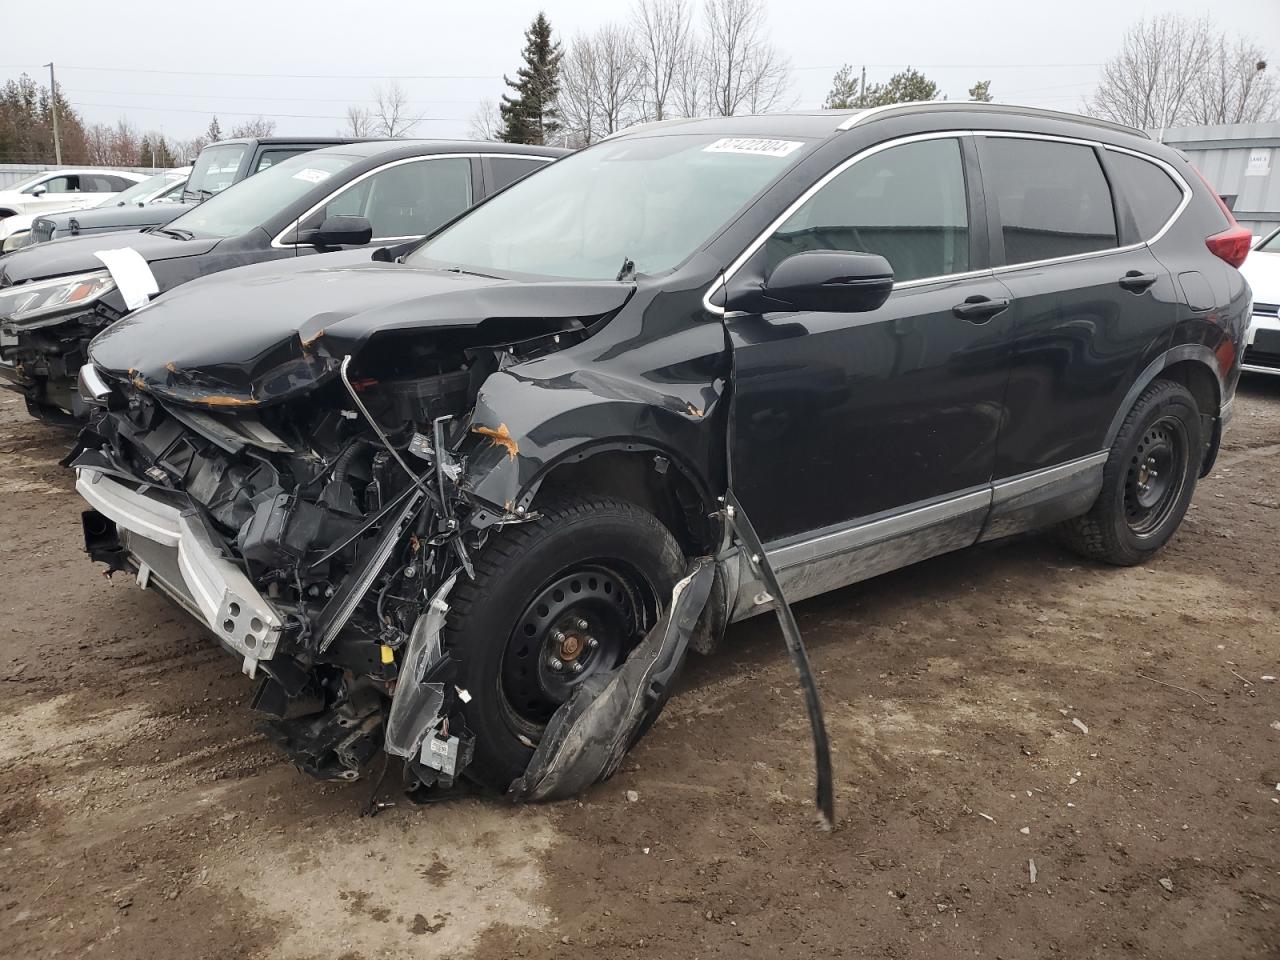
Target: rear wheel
554	601
1148	481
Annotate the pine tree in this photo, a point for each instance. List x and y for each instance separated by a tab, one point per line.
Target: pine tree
844	90
214	133
531	115
980	92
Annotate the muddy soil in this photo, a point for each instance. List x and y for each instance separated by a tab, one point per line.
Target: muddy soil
994	709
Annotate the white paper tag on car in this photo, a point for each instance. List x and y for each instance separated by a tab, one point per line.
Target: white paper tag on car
754	145
312	176
132	274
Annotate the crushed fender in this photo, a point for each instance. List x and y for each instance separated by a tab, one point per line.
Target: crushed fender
591	732
824	797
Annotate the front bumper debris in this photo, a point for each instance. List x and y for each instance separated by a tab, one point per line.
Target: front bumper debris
241	618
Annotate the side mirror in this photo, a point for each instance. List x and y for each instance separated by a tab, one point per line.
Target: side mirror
40	191
826	281
338	232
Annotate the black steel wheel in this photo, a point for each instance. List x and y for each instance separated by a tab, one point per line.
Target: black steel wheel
583	622
554	601
1148	481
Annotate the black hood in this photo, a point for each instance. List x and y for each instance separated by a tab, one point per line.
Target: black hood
58	258
124	216
268	332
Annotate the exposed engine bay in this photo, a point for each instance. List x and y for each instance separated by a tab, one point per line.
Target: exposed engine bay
343	511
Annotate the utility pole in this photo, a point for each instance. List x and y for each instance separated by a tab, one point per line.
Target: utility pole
53	103
862	90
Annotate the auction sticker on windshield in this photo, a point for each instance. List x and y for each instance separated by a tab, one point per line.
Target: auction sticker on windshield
311	176
755	145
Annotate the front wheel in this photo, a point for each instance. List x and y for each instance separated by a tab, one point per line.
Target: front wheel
1148	481
554	601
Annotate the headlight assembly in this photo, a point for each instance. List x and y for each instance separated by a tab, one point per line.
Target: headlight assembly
29	301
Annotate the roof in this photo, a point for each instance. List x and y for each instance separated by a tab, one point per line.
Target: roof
414	148
824	123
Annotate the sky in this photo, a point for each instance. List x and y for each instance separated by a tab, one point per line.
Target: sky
171	67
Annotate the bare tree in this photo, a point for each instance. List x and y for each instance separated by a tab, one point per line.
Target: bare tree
486	122
600	81
1151	81
359	123
391	114
744	70
1235	88
258	127
663	34
690	90
578	97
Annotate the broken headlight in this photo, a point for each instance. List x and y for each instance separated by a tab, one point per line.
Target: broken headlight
30	301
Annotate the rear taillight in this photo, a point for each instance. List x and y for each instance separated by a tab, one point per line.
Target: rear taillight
1232	244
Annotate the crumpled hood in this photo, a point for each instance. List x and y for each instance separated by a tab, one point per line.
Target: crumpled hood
59	258
268	332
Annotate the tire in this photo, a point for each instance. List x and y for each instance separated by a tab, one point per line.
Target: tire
617	565
1148	481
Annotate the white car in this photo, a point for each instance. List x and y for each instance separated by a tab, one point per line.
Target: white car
15	231
1262	269
65	189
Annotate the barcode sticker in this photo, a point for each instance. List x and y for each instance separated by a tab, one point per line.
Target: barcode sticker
754	145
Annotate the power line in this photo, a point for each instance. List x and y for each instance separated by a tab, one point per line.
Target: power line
247	96
255	113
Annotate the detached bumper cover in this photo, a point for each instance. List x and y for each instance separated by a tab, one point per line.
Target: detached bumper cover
240	617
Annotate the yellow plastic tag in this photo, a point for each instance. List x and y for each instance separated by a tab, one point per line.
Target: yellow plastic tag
388	655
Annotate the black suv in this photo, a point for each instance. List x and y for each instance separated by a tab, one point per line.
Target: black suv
218	166
452	502
55	297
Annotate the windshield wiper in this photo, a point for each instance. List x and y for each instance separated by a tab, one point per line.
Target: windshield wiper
628	271
176	232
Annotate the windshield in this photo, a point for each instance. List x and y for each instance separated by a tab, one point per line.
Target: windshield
144	190
255	201
651	201
215	168
1271	244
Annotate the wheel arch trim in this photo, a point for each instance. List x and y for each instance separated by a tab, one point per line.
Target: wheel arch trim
1195	352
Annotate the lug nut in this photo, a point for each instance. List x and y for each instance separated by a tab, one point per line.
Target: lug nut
558	636
582	624
576	667
592	643
555	663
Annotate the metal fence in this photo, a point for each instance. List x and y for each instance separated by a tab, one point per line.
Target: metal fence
11	173
1242	161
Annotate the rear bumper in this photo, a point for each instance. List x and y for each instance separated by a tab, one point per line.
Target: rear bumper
1262	345
176	549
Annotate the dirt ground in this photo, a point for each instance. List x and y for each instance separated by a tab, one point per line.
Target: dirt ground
142	815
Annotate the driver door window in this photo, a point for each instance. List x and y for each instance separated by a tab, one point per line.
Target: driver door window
405	200
67	184
906	203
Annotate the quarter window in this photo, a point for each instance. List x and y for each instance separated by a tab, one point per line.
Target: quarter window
1151	194
906	203
1052	198
406	200
507	170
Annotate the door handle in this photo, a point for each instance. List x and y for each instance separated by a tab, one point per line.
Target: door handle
1137	281
980	309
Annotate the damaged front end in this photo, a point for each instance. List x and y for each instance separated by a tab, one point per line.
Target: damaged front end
307	508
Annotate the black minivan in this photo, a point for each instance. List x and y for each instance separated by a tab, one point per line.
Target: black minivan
447	501
55	296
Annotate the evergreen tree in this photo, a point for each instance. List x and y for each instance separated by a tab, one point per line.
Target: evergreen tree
980	92
530	116
908	86
214	133
844	90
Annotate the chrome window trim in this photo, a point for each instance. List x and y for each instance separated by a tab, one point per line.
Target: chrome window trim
758	242
278	243
1178	180
755	245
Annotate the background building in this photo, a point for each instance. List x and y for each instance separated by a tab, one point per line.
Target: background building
1242	161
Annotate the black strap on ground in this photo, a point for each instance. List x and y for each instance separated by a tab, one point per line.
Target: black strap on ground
825	798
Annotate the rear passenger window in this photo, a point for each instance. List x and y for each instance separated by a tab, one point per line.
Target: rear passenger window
1150	192
507	170
906	203
1052	198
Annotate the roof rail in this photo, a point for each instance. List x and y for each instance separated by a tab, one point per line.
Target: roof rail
972	106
